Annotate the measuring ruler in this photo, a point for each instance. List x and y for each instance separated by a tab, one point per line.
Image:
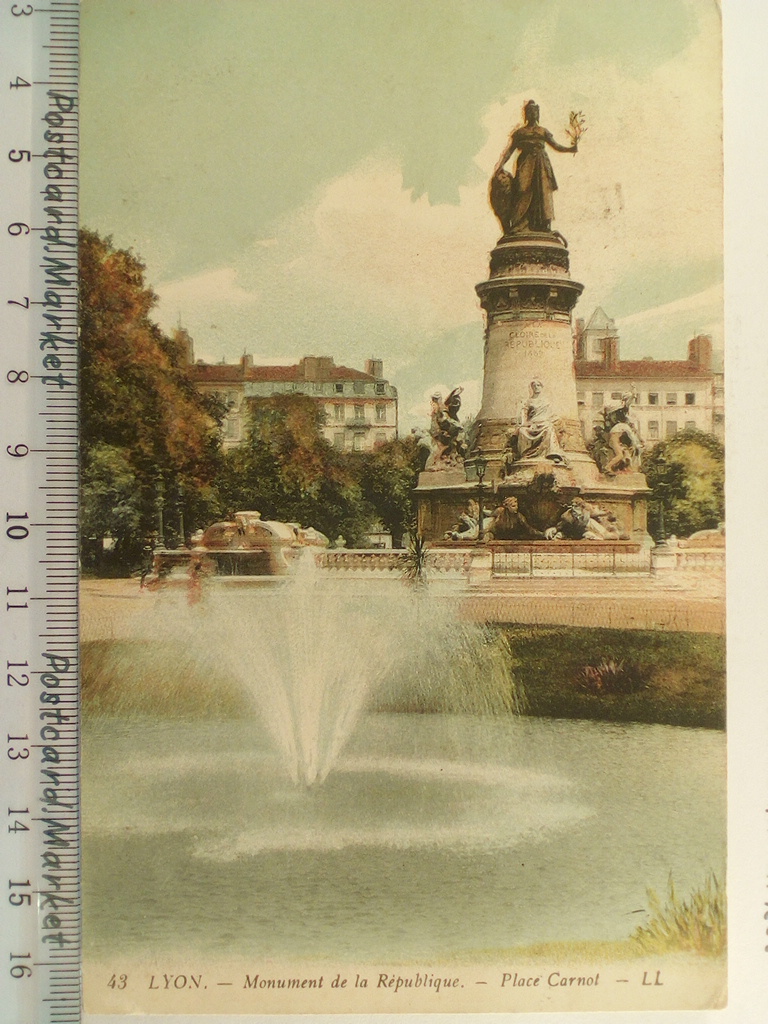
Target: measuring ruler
39	799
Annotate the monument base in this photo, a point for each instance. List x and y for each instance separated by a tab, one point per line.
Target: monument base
544	491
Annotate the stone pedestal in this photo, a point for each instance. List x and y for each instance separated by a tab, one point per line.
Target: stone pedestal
664	558
528	300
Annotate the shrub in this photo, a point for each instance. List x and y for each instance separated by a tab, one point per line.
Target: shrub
610	677
697	925
414	561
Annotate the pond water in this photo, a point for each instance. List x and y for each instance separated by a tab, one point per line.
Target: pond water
434	835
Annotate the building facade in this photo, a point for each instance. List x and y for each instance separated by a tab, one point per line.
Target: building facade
672	395
359	406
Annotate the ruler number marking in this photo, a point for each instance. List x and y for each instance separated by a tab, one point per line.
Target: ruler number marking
17	531
17	753
18	826
15	590
19	899
20	970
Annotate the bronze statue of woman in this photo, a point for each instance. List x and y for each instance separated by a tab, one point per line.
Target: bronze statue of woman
523	202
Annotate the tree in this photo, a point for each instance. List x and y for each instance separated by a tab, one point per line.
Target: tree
139	409
686	475
288	471
387	477
110	505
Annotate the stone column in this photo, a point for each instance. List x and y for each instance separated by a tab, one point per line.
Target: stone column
528	300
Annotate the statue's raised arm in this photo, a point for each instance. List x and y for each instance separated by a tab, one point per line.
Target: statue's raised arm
523	201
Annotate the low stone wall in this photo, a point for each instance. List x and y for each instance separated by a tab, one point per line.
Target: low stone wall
569	558
499	559
700	559
377	563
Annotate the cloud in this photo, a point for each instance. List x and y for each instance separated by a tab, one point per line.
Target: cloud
702	305
366	266
212	304
648	331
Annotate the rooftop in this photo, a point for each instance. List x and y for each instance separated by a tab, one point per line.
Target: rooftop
642	368
310	368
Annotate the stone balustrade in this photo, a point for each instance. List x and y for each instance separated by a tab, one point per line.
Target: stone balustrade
369	562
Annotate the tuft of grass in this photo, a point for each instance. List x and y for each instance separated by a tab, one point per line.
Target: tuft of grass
696	924
610	676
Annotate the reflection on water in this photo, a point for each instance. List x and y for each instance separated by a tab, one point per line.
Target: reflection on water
434	834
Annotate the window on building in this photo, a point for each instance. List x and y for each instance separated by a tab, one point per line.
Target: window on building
317	387
690	424
671	428
580	398
338	440
233	427
690	398
380	386
653	430
653	398
671	398
359	414
338	413
358	386
339	386
598	399
616	396
357	442
719	417
381	413
381	438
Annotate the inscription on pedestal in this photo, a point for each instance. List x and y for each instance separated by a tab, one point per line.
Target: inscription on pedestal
532	339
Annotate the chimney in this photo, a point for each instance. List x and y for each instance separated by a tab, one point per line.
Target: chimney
308	368
700	351
375	368
579	348
611	352
324	367
316	368
246	361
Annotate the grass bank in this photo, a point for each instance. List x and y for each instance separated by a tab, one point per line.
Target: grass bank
668	678
553	672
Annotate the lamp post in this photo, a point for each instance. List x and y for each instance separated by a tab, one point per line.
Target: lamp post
480	467
159	500
662	489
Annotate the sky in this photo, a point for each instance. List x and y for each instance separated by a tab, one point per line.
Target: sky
310	176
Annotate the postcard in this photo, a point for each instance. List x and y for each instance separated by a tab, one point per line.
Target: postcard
404	391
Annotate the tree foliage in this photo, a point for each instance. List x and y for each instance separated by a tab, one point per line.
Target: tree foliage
686	475
387	477
151	450
288	471
139	410
110	504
